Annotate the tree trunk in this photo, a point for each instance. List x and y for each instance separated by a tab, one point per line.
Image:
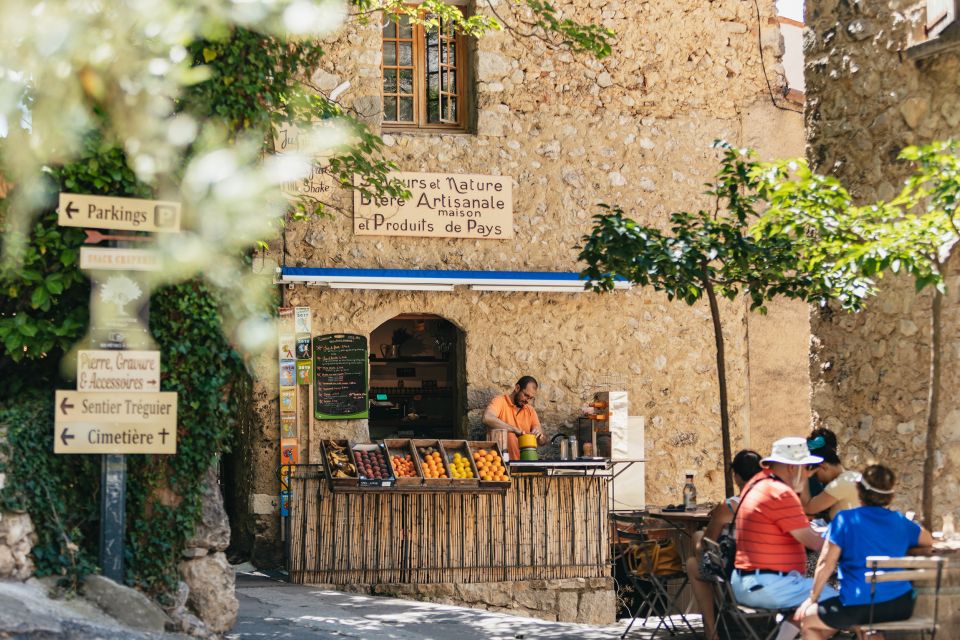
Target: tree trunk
722	382
933	410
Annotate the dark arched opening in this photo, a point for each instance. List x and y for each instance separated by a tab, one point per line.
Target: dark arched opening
417	378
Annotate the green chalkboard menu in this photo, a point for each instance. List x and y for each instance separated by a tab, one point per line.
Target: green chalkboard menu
340	376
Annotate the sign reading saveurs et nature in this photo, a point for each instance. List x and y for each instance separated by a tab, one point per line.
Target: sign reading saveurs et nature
441	205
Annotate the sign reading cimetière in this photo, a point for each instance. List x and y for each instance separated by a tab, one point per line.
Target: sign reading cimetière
440	206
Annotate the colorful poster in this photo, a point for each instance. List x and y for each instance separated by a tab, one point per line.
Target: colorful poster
288	400
304	351
288	427
288	377
303	371
287	346
285	319
301	320
288	452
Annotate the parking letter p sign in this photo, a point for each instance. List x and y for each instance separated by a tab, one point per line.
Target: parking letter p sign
165	215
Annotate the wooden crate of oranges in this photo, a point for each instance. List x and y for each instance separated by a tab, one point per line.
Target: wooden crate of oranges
406	464
433	463
490	466
460	461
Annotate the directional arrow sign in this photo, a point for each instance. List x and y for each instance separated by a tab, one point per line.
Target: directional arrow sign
107	212
96	422
112	370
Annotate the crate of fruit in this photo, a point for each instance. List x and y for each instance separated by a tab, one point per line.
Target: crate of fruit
491	469
405	463
373	465
338	463
462	470
433	463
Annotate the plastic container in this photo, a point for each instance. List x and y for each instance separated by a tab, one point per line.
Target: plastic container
527	441
529	455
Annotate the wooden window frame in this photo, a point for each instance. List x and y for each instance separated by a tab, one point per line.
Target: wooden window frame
420	85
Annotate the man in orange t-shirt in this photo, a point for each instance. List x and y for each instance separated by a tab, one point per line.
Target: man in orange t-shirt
773	532
513	413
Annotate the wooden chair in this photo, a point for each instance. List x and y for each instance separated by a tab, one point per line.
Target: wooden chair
913	569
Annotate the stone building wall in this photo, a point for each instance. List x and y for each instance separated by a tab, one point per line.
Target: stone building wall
866	101
634	129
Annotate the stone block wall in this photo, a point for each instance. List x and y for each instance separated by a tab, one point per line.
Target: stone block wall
634	129
865	101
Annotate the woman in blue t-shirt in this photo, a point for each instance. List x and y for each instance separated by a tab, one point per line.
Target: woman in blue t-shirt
854	534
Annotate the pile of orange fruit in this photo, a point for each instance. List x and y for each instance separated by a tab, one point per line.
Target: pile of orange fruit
490	466
403	466
433	466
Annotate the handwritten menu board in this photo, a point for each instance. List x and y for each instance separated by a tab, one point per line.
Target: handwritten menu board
340	376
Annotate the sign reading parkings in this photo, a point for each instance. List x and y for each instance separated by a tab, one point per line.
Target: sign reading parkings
441	205
112	370
109	212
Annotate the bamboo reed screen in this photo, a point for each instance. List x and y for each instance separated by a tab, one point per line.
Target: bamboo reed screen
541	528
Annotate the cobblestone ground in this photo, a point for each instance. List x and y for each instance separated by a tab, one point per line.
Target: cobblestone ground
270	609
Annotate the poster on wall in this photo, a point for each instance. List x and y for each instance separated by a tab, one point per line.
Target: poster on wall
440	205
304	350
302	320
340	376
288	400
287	346
289	453
288	376
303	371
288	427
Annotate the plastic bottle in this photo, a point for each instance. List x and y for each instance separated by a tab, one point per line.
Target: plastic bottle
689	493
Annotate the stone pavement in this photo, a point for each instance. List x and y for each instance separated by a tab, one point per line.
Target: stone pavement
271	609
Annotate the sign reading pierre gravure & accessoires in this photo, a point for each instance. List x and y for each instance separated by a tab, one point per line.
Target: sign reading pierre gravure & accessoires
440	205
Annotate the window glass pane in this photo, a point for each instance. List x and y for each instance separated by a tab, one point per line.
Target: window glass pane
432	51
406	31
452	114
406	81
390	29
390	109
389	53
406	109
433	107
452	54
452	78
389	81
406	54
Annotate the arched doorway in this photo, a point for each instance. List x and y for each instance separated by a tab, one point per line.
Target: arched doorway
417	378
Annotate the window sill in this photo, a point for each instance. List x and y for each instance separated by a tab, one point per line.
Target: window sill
401	131
948	40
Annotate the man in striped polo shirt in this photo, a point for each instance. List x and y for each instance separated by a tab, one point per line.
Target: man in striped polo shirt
772	532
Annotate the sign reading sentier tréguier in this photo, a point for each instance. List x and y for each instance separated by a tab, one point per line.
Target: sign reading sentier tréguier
113	370
108	212
97	422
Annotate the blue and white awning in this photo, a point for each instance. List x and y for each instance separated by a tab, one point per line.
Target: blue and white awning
437	280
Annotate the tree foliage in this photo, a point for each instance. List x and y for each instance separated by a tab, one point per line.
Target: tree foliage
705	254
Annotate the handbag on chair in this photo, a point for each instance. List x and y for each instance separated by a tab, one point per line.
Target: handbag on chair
657	557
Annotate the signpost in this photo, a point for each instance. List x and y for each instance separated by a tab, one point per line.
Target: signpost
108	212
118	407
108	370
95	422
115	259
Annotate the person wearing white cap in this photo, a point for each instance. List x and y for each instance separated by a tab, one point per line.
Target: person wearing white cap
772	532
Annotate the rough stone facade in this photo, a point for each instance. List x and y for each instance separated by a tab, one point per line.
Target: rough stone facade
17	538
634	129
866	101
581	600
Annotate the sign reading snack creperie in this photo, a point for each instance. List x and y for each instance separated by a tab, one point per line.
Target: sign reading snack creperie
441	205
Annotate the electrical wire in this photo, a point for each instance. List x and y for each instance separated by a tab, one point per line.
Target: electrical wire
763	65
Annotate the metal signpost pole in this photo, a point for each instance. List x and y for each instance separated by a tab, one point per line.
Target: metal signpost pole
113	484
